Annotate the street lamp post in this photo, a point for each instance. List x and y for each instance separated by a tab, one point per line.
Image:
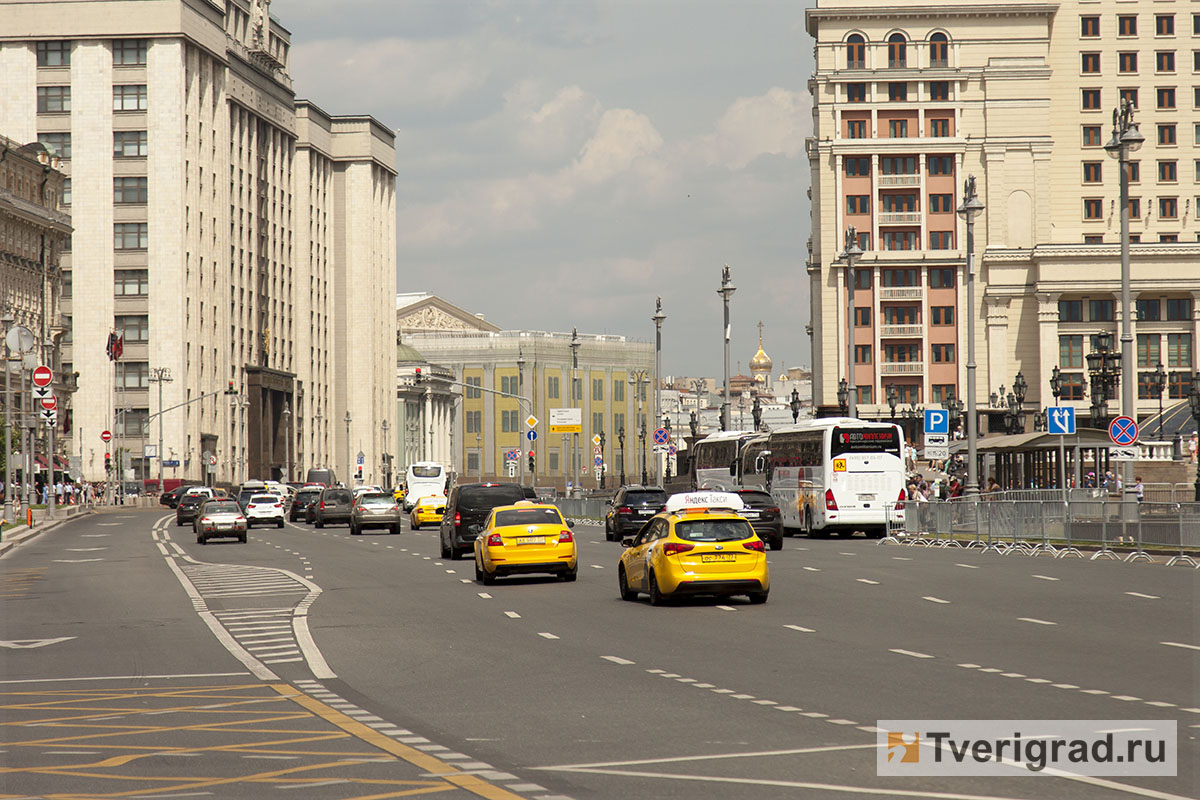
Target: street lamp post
1158	384
667	455
642	436
970	208
317	417
161	375
237	408
638	379
349	464
1194	403
574	471
387	460
893	397
1104	375
1126	139
726	291
621	442
287	442
520	443
843	397
795	405
658	318
7	318
851	254
603	469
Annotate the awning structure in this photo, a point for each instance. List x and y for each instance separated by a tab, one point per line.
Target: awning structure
1037	440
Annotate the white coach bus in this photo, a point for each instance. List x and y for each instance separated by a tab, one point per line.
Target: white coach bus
716	460
837	475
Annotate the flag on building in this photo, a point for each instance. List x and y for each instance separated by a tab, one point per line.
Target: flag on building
116	346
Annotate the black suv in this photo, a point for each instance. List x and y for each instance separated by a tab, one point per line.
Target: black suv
630	509
469	504
762	512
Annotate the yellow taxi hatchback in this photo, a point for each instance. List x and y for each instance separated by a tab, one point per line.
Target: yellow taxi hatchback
427	511
697	546
525	538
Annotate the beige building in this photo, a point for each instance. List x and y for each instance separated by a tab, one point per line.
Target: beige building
222	226
483	424
909	101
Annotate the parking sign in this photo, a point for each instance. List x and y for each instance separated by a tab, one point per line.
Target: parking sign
937	420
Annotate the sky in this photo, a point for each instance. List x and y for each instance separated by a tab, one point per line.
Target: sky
561	163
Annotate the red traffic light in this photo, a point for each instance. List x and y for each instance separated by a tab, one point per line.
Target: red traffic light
107	455
531	454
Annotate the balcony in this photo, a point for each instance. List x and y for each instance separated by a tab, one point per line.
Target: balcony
902	368
888	181
901	331
901	292
899	218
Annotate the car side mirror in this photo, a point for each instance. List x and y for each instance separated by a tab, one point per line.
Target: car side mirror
570	523
627	541
475	529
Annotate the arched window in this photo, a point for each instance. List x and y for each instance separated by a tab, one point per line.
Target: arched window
897	50
939	50
856	52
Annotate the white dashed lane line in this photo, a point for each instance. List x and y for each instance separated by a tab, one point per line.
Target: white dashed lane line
936	600
547	635
485	595
512	615
910	653
867	581
1046	578
618	660
812	569
1036	621
1144	596
967	566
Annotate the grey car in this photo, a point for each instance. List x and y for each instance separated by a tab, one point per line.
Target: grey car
333	506
375	510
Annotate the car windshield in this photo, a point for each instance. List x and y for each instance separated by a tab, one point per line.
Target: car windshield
306	495
756	498
528	516
489	496
377	500
264	498
222	507
713	530
645	498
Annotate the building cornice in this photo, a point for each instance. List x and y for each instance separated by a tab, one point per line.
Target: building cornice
814	16
1093	252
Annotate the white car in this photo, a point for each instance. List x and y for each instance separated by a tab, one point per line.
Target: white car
264	508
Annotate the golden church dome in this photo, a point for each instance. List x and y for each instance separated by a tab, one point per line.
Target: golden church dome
761	363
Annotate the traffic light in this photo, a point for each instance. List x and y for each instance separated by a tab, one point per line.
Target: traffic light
359	475
107	462
531	463
417	375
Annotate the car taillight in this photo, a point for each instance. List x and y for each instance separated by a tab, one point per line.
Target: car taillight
675	548
566	536
322	505
279	505
830	503
395	507
772	510
495	540
240	519
900	501
623	510
457	519
205	521
756	545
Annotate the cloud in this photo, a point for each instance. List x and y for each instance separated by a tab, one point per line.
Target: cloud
775	123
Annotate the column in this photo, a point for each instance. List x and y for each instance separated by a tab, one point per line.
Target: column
1047	314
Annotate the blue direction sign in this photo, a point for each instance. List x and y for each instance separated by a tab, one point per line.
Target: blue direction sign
661	436
937	420
171	462
1061	420
1123	430
531	435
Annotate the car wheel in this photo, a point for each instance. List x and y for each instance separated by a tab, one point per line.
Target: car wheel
396	529
657	598
608	534
319	523
416	526
355	531
758	598
623	585
569	577
242	538
279	524
777	543
478	571
199	539
455	554
178	522
445	550
488	578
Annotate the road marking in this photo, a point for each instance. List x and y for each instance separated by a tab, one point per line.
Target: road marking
967	566
727	608
787	708
969	666
1145	596
465	580
910	653
1040	621
867	581
1037	680
75	560
1064	686
1012	675
485	595
702	686
742	696
94	549
547	635
618	660
1046	578
29	644
1126	697
901	558
812	569
722	691
597	566
799	628
936	600
512	615
1181	644
686	680
765	703
847	554
449	572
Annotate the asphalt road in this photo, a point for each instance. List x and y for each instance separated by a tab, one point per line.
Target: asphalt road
383	669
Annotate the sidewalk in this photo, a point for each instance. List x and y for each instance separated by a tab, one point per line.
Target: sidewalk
14	536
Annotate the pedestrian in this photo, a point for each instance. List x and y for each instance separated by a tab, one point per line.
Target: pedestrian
1139	488
992	485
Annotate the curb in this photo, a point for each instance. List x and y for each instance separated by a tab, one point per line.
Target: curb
23	533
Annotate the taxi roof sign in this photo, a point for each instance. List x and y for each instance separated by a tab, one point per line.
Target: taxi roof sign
708	500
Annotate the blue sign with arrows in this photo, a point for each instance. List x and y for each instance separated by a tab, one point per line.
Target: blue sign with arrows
1061	420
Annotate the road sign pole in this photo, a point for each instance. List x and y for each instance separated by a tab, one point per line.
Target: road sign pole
50	462
1062	458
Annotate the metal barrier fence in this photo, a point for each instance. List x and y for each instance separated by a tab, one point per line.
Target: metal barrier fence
589	508
1102	525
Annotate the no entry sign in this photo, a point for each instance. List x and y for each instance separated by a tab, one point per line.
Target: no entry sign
42	376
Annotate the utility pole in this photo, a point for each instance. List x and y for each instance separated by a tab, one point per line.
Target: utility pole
658	318
726	291
160	375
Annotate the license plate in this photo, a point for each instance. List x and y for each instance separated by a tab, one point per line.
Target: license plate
866	497
531	540
719	557
645	514
749	515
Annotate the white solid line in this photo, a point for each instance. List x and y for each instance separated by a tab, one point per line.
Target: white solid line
617	660
547	635
812	569
512	615
1145	596
727	608
1046	578
967	566
799	628
485	595
910	653
936	600
867	581
1180	644
1043	622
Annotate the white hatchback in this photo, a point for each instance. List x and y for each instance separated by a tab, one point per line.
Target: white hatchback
264	508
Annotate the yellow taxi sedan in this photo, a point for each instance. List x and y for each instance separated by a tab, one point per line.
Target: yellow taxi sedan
697	546
525	538
427	511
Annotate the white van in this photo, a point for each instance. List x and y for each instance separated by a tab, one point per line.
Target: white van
423	479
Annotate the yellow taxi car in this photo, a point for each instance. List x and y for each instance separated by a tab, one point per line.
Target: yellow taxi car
697	546
427	511
523	538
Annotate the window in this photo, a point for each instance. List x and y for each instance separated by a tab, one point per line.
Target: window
618	390
474	421
941	315
1135	171
940	165
858	204
856	92
1149	310
510	422
1146	388
941	240
941	203
939	128
1196	68
865	393
130	191
598	389
1179	384
1072	386
942	353
1089	27
131	282
1165	97
1091	99
1135	207
1179	308
54	54
1127	63
898	128
53	99
1091	135
1126	25
907	353
472	392
1166	134
597	421
1179	350
939	50
1093	239
864	241
939	90
67	287
899	203
898	165
1070	311
941	278
552	388
1170	238
473	457
862	354
510	384
856	129
857	167
1093	208
131	236
135	328
1100	310
60	143
899	277
1168	171
618	422
1195	24
1070	352
129	52
900	240
897	91
133	375
1128	96
1093	171
129	144
862	277
1147	349
1164	61
1168	207
1089	63
862	316
856	51
901	315
130	98
134	421
1164	25
897	51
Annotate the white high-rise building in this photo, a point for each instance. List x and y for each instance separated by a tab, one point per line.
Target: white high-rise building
232	234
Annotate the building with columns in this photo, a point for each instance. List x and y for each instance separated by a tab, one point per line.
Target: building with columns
909	101
238	238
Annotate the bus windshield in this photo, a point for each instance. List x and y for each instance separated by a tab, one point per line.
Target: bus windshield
426	471
864	440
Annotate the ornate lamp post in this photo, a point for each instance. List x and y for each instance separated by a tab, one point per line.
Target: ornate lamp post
795	405
317	417
843	397
726	291
349	463
621	442
161	375
694	424
893	397
642	436
851	254
287	441
387	459
603	471
1158	382
1194	403
970	208
657	319
667	457
574	471
1104	375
